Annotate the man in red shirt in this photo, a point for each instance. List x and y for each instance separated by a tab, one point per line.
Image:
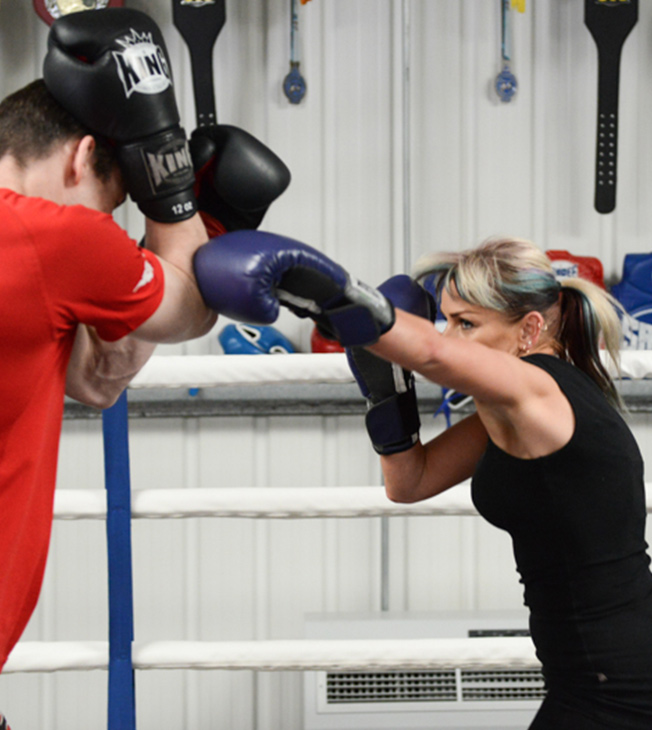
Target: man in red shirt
83	308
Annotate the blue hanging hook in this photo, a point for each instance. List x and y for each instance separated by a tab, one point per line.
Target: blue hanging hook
506	84
294	85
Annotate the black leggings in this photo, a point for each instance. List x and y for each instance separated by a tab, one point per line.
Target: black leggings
556	714
560	711
598	671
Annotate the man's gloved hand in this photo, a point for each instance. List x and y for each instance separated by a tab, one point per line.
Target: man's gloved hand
237	178
110	70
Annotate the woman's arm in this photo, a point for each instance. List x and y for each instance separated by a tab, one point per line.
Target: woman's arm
488	374
521	406
429	469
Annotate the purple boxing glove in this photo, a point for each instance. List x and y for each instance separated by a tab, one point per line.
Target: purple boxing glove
392	418
247	275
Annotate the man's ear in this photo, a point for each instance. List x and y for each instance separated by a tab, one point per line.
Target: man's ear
81	158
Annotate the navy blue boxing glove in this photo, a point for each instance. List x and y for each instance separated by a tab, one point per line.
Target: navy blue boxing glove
237	178
392	418
247	275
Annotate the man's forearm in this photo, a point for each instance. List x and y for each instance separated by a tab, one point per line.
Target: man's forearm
99	371
176	243
182	315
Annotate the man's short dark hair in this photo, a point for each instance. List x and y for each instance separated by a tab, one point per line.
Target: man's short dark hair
32	123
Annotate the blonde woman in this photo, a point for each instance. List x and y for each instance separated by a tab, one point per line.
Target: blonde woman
551	459
552	462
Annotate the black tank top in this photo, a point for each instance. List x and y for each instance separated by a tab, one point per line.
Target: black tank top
577	522
576	517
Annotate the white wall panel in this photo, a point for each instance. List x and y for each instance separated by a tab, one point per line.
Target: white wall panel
474	167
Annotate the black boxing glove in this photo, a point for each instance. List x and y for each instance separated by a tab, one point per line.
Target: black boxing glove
237	178
110	70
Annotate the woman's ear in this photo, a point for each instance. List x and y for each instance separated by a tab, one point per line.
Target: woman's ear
532	325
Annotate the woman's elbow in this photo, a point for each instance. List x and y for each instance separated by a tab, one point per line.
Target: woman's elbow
401	495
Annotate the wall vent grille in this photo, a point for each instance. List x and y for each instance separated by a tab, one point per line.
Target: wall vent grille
493	685
351	688
450	698
434	686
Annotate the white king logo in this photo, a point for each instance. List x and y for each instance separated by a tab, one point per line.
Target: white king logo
142	67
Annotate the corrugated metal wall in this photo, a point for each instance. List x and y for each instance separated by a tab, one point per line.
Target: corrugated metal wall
399	147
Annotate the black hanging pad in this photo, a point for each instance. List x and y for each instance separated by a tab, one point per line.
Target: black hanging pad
199	26
610	22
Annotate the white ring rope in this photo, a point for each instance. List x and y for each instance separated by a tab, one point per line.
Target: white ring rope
290	655
260	502
205	371
267	503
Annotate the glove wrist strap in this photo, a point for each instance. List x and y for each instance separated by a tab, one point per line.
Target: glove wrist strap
393	424
354	325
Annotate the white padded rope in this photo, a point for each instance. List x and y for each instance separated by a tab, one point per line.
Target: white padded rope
267	503
634	364
290	655
205	371
257	502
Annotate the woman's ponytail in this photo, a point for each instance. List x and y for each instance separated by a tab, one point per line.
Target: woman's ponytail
590	322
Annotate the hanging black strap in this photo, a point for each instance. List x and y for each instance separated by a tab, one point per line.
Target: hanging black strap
199	25
610	22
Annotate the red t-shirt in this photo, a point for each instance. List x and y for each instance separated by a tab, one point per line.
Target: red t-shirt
59	266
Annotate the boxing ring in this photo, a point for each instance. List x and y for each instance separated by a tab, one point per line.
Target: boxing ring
118	505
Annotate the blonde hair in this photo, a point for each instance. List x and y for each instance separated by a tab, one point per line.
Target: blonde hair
514	277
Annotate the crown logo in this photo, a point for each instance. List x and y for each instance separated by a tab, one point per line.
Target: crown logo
135	39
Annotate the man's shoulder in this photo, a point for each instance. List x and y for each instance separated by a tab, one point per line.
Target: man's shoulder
36	208
49	222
